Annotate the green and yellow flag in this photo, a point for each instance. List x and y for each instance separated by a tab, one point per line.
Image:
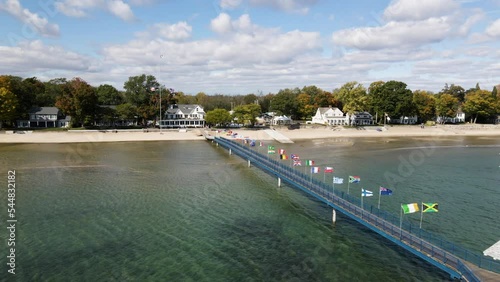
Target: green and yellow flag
429	207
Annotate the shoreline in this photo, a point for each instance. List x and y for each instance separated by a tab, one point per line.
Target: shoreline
91	136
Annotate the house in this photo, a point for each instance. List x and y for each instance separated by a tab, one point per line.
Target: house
330	116
183	115
45	117
405	120
360	118
458	118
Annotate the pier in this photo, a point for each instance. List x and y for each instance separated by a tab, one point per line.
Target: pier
458	262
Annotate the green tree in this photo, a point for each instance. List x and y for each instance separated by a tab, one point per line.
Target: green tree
425	102
285	102
108	95
250	99
23	92
141	91
446	106
126	111
185	99
53	89
218	117
79	100
394	99
353	97
247	114
456	91
480	103
8	105
494	92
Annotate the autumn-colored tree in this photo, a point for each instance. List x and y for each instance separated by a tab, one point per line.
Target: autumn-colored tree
353	97
305	108
79	100
446	106
8	105
480	103
425	102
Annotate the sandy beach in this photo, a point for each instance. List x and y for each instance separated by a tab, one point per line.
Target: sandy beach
319	132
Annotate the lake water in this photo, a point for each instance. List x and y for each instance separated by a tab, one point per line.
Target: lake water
187	211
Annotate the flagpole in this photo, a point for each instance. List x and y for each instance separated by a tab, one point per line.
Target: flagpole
348	182
421	216
379	194
333	187
324	175
401	219
362	200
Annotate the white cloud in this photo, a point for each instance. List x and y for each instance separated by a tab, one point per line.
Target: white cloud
415	10
221	24
300	6
394	34
79	8
493	30
36	22
121	10
230	4
174	32
35	56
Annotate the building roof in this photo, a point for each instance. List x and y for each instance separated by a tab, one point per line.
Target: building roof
185	109
45	111
323	110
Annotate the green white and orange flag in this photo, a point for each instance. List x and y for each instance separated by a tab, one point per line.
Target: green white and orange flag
309	163
410	208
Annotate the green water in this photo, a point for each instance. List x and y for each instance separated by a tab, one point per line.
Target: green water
187	211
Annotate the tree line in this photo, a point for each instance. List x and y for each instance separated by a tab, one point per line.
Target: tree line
140	100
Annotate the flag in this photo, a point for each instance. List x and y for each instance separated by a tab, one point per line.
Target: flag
261	144
284	157
270	149
252	143
297	162
153	89
354	179
366	193
315	169
282	151
294	157
309	163
338	180
246	141
429	207
385	191
328	169
410	208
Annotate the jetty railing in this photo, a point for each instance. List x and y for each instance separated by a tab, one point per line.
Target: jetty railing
383	222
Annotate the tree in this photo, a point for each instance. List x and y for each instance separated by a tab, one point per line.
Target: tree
247	114
250	99
446	106
218	117
305	108
393	99
456	91
108	95
126	111
425	102
79	100
53	89
480	103
285	102
25	96
140	91
353	97
494	92
8	105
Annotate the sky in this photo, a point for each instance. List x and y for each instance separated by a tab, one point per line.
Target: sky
254	46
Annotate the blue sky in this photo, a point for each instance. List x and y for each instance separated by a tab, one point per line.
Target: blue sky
254	46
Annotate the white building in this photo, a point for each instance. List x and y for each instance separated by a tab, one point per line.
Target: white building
360	118
405	120
458	118
45	117
330	116
281	120
183	115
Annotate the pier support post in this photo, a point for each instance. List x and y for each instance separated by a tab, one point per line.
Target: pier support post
248	163
279	182
230	153
334	216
